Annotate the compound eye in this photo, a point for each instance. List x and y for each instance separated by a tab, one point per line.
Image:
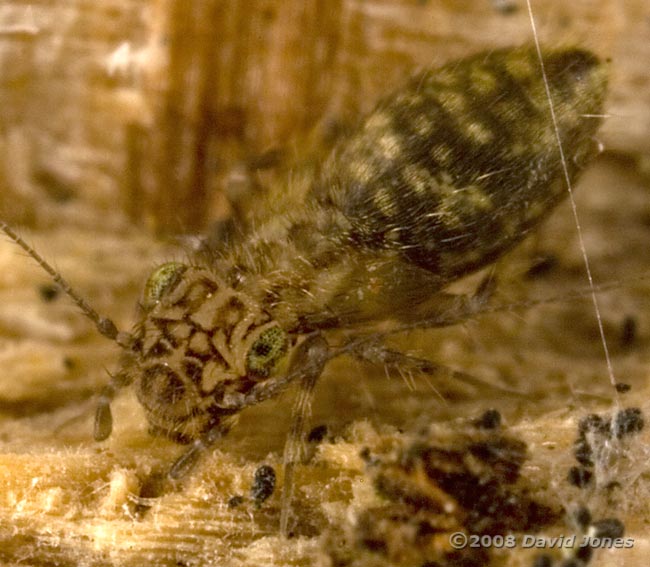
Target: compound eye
266	352
161	281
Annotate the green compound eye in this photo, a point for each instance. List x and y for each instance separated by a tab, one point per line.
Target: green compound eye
266	352
162	280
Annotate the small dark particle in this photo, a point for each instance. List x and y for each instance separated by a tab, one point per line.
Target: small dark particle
593	423
627	421
629	331
584	554
57	187
263	484
235	501
582	451
317	434
365	455
542	266
609	527
582	517
505	7
543	561
153	486
68	362
49	292
580	476
623	388
491	419
613	485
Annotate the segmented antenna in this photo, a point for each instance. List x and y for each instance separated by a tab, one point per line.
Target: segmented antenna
104	325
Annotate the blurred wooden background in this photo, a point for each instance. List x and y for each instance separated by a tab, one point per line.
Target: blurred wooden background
148	105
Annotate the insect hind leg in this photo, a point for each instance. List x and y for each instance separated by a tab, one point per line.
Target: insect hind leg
392	360
446	309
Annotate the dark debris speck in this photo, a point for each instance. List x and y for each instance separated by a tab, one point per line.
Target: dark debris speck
49	292
580	476
491	419
628	421
235	501
622	387
609	527
582	517
263	484
317	434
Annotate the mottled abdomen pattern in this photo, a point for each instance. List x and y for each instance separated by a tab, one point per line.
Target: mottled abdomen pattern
456	168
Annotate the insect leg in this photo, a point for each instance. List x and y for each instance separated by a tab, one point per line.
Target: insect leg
450	309
103	416
310	358
307	365
188	459
376	353
314	358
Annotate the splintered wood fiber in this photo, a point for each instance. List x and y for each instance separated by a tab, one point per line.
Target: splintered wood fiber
123	123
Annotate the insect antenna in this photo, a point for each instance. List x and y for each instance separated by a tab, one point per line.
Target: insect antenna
104	325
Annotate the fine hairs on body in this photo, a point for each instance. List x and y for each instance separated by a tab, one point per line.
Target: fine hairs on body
445	175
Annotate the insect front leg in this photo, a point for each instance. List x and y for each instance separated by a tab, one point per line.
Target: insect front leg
188	459
307	366
309	359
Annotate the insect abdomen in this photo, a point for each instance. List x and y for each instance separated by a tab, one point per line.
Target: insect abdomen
458	166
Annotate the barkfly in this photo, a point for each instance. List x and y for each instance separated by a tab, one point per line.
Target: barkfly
445	175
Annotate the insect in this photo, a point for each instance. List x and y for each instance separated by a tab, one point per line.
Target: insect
445	175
